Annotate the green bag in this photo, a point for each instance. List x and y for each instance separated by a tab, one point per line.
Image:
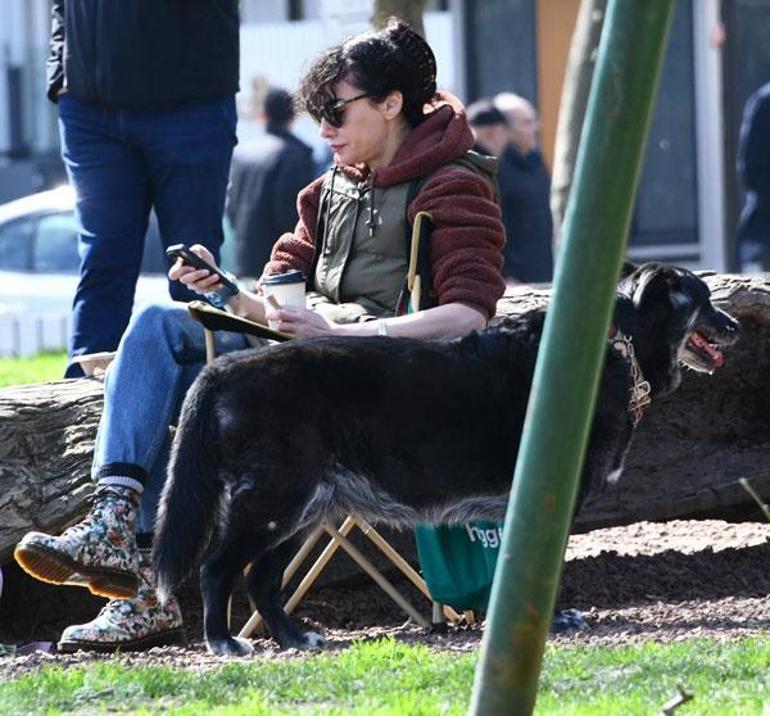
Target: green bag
458	562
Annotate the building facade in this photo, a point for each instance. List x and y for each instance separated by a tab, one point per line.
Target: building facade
688	197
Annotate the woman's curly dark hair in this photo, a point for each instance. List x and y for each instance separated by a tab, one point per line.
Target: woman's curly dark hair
381	62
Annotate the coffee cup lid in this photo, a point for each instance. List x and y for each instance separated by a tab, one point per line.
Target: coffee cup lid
277	279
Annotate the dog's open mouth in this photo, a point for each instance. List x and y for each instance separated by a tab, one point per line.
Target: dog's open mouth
701	353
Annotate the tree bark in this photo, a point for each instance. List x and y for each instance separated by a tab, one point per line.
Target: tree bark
46	445
688	455
572	109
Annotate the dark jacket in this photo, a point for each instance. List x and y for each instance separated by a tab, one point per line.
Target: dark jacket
754	167
266	175
525	189
144	53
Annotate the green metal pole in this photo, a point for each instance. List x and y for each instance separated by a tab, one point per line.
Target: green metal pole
572	350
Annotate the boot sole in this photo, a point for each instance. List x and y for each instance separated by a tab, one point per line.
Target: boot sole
55	568
169	637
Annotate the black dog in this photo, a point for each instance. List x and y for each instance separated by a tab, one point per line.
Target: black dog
395	430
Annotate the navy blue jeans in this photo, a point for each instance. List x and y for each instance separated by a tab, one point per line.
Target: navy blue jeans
122	163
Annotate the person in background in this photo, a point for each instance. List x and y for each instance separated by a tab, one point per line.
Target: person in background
146	100
266	175
525	188
490	128
754	173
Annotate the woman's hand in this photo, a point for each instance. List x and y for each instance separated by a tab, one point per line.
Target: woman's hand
299	321
198	280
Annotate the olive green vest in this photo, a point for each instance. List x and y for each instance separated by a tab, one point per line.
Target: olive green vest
362	258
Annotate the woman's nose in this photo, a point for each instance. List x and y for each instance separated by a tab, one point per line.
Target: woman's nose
326	130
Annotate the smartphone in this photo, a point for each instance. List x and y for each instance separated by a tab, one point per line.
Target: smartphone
190	259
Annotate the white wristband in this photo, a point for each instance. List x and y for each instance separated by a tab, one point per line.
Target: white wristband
382	327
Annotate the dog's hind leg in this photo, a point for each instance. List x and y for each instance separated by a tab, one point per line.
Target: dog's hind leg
217	578
264	585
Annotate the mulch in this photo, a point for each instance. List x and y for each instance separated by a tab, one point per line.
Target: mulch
665	582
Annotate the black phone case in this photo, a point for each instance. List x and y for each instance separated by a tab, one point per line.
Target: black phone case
191	259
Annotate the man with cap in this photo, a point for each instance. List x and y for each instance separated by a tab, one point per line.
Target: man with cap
490	128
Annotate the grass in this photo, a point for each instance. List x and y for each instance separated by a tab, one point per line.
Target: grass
19	371
384	677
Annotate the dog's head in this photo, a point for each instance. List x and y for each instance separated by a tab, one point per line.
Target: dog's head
673	321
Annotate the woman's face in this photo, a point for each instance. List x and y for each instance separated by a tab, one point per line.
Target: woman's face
366	134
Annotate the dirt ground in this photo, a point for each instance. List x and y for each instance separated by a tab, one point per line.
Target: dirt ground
665	582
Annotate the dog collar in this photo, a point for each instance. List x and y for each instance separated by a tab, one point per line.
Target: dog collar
640	390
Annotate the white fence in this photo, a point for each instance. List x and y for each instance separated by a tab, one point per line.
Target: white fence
25	335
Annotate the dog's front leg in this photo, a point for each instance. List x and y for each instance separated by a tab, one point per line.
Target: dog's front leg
608	444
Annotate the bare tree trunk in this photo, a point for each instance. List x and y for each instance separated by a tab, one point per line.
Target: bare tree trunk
686	461
409	10
574	99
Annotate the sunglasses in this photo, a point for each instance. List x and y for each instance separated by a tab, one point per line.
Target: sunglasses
333	110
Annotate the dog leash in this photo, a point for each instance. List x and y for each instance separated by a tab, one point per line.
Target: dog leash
640	390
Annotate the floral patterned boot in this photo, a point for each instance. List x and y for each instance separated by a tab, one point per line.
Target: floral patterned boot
99	553
129	624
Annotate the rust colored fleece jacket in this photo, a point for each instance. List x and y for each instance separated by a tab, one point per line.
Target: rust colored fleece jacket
468	235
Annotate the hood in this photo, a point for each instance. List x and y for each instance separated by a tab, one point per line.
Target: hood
443	136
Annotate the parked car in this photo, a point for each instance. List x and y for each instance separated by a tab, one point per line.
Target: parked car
39	267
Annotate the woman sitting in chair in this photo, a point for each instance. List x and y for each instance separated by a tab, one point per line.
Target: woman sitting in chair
399	148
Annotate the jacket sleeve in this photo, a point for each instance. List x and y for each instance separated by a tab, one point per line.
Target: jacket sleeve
55	63
467	239
296	250
754	150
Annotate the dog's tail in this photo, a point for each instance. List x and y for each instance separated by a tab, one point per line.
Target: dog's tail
190	499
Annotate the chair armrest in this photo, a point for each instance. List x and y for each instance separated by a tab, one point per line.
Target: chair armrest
215	319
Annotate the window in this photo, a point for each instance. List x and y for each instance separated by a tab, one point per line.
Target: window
56	244
16	245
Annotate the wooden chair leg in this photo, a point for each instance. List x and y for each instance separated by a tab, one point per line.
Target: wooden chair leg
255	620
302	554
293	566
378	577
210	349
406	568
437	613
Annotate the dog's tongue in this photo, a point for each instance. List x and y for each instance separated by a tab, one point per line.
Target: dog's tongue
704	345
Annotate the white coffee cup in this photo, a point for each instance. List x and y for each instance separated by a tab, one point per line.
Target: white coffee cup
288	289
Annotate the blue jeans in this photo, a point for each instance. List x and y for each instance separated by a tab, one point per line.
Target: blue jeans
122	163
158	358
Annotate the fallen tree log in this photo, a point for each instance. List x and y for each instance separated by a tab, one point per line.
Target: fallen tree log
46	445
688	456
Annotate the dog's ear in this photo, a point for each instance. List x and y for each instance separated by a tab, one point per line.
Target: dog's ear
653	283
627	269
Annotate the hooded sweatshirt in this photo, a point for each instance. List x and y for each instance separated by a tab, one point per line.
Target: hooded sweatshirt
467	238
